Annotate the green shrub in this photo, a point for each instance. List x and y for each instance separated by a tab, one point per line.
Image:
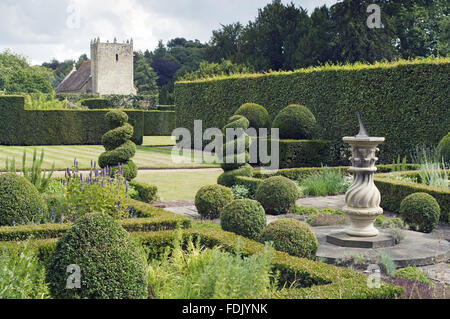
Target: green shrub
199	273
20	201
96	103
119	148
306	210
211	199
291	236
250	183
228	178
327	182
148	193
295	122
277	195
112	265
244	217
240	191
386	222
394	191
412	273
22	276
420	211
256	114
236	121
443	148
334	93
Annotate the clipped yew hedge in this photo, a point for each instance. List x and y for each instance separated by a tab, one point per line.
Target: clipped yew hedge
402	101
71	127
159	123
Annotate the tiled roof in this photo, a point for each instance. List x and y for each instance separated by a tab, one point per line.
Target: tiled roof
76	80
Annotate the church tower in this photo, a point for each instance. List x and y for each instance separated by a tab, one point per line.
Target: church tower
112	67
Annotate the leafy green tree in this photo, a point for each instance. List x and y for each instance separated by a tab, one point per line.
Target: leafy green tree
354	40
444	37
17	76
224	43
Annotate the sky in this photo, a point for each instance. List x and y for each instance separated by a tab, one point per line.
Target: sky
62	29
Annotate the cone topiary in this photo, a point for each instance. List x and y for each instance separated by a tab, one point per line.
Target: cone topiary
235	163
119	148
295	122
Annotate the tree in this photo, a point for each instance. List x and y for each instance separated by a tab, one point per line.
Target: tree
144	76
224	43
17	76
354	40
207	70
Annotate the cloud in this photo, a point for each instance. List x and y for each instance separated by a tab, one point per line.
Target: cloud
43	29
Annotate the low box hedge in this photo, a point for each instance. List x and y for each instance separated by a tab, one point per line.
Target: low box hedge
300	173
148	193
394	191
311	279
150	219
96	103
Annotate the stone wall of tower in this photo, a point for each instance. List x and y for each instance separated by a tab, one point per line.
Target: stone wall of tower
112	67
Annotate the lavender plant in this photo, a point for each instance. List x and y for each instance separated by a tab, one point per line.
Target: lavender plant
99	190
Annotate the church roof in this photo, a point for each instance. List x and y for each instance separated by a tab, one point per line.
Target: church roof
76	79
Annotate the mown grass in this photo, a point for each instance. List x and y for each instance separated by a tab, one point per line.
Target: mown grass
63	155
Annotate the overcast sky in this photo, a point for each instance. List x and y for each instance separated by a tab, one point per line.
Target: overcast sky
43	29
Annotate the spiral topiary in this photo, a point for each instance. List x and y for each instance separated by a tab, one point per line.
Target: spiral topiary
291	236
420	211
255	113
295	122
119	148
245	217
111	264
20	201
211	199
277	195
235	164
444	148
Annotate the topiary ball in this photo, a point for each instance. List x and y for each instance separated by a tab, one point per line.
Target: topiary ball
20	201
291	236
210	200
295	122
256	114
116	118
245	217
277	195
420	211
111	264
228	178
444	148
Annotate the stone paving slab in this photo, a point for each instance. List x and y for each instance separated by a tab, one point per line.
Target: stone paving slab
416	249
439	272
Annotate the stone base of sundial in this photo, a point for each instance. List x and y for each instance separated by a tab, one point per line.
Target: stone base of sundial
383	239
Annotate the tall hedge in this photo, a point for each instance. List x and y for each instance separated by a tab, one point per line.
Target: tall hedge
68	127
159	123
406	101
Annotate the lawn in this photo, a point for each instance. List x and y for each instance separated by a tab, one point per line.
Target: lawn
179	184
63	155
